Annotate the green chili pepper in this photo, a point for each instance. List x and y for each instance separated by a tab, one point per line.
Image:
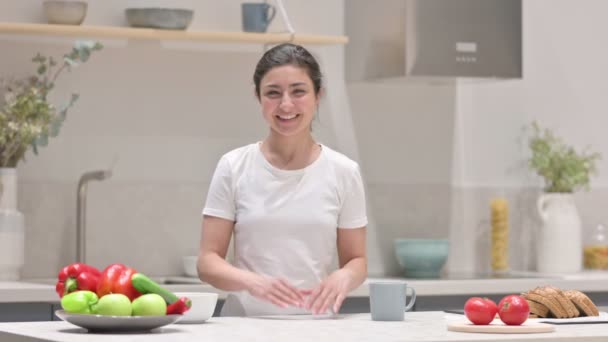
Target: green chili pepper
82	302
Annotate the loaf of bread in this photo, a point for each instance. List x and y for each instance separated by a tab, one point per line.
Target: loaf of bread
550	301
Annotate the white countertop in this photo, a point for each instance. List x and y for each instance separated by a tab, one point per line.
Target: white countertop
418	326
43	290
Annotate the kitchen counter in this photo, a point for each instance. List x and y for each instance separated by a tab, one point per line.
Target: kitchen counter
418	326
43	290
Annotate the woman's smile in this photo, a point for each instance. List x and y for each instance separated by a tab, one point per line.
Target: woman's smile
288	117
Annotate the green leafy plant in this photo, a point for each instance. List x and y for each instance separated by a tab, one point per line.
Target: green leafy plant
27	118
563	169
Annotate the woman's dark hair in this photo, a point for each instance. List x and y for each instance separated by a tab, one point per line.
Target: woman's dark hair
288	54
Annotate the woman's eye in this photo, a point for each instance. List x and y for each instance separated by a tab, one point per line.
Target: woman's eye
299	91
272	93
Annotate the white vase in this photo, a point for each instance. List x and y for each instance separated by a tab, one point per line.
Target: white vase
12	227
559	245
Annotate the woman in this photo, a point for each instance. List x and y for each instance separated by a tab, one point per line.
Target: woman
289	202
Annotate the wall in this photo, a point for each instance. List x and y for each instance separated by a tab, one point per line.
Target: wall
432	156
160	115
565	68
435	155
405	133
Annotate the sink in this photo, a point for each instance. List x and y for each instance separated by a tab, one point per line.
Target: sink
179	280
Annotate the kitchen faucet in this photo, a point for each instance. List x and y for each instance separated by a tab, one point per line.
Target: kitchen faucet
81	204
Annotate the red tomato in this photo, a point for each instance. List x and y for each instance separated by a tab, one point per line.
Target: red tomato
480	311
513	310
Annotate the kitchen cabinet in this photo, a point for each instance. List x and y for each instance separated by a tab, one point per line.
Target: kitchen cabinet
26	312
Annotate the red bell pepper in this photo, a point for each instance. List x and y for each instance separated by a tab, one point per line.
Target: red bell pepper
77	276
116	278
182	305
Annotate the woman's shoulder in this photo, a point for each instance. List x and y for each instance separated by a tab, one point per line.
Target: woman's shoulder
339	160
241	153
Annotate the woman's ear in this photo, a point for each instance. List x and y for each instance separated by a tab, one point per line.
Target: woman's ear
320	94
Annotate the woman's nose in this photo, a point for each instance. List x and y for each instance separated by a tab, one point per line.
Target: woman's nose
286	101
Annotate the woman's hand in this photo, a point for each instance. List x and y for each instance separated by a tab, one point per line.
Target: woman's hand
276	290
332	290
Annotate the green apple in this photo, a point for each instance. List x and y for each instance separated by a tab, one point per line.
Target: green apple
150	304
114	304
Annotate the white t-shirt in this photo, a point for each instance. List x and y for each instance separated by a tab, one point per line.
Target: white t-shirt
286	221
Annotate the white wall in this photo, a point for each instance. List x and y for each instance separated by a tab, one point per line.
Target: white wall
563	88
161	114
565	67
433	156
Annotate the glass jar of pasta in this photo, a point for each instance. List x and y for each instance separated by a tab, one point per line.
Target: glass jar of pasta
499	213
595	251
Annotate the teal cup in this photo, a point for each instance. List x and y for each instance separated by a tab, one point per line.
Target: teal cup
388	300
257	16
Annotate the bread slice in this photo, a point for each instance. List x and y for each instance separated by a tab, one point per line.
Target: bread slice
537	309
582	302
563	300
547	299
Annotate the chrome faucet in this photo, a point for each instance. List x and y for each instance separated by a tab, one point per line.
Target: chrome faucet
81	205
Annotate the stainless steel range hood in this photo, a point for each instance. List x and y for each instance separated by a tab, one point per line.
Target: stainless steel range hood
443	39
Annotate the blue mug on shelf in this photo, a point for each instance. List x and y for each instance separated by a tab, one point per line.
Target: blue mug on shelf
257	16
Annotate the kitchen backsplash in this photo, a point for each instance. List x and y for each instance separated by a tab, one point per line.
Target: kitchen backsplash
151	225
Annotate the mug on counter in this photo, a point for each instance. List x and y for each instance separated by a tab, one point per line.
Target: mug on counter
388	300
257	16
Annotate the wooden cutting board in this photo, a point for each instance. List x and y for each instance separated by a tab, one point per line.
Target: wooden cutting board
501	328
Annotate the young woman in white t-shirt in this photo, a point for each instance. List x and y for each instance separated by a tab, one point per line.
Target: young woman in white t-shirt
290	202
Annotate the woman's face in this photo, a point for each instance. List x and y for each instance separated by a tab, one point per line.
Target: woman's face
288	100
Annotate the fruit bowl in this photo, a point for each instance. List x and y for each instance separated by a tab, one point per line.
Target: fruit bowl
101	323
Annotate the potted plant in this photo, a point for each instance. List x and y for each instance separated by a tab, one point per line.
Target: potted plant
28	119
564	170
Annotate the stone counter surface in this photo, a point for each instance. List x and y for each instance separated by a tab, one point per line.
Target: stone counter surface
43	291
418	326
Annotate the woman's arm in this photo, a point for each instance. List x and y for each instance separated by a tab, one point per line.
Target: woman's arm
212	265
352	272
215	270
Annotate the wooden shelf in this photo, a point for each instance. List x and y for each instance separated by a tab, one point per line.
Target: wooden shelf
157	34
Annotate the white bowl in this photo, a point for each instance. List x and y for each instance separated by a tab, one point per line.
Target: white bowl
65	12
203	306
189	263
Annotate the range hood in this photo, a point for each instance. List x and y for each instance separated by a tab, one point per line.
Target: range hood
442	39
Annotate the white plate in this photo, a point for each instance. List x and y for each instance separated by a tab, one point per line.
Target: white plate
101	323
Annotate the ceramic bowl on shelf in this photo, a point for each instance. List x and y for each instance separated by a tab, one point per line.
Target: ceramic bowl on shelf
161	18
421	258
65	12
